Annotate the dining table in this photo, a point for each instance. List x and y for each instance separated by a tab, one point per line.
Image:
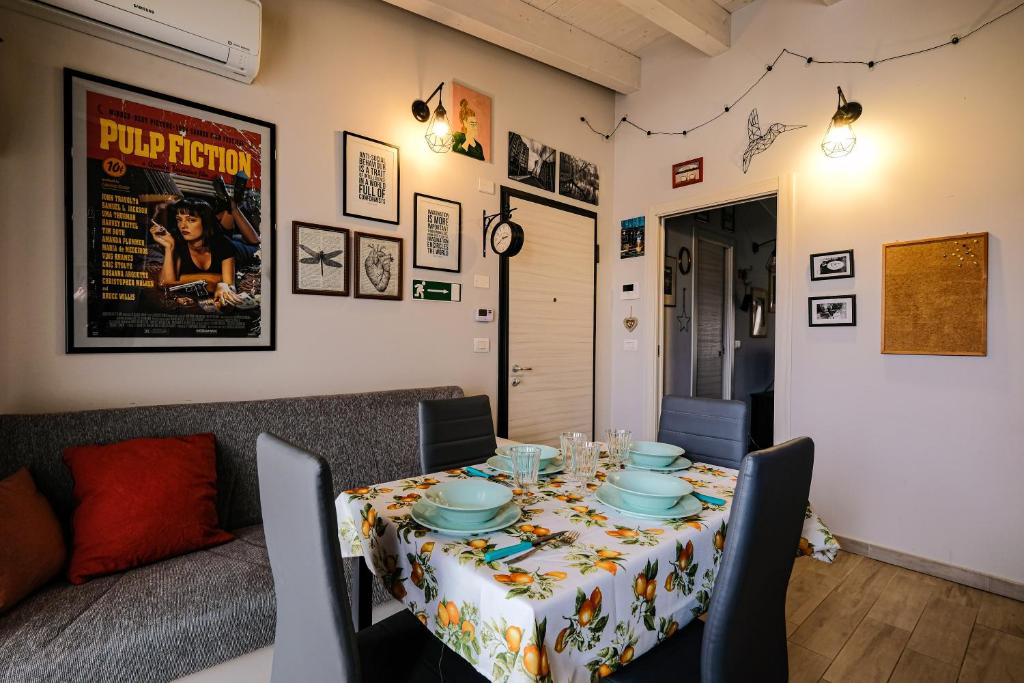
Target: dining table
569	612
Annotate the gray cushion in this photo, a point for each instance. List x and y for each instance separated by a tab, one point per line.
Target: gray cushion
150	624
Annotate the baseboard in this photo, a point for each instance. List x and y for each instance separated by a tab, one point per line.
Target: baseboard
967	577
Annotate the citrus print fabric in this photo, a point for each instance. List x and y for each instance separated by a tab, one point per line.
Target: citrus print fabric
569	613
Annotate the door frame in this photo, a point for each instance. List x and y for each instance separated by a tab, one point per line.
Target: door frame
508	193
784	189
729	316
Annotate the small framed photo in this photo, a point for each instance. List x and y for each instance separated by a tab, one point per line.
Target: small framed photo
320	259
378	267
832	265
832	311
437	234
371	179
758	312
688	172
671	262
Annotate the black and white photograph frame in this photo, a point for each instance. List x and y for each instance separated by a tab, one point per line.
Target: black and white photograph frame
378	265
371	179
531	162
832	311
832	265
437	233
320	259
669	286
578	179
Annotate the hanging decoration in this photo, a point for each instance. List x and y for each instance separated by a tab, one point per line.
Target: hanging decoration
630	321
839	138
759	142
683	318
809	61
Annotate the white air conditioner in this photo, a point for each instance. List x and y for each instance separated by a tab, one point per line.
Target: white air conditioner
220	36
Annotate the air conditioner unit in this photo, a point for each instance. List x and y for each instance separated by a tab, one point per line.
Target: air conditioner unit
219	36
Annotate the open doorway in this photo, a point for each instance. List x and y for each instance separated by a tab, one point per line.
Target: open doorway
720	295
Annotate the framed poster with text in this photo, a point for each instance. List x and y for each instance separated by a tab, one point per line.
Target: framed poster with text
437	233
371	179
170	222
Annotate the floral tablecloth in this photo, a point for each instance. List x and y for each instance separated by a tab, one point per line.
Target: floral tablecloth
573	613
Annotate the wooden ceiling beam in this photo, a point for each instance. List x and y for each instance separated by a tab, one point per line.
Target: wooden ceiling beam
522	28
703	24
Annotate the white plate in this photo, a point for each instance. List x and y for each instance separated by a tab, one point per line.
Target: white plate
679	463
503	464
686	507
426	515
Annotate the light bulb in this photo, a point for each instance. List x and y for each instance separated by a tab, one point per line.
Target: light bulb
441	127
838	141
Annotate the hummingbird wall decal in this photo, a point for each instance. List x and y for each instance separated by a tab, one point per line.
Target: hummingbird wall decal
759	142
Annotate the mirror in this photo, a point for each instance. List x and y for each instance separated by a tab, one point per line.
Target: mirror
759	313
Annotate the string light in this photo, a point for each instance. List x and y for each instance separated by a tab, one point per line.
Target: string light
809	61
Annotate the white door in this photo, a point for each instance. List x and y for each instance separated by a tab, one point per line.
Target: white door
712	320
550	322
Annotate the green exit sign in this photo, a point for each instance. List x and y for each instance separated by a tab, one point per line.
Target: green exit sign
428	290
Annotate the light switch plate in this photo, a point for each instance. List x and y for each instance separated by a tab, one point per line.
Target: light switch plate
629	345
485	186
481	345
482	281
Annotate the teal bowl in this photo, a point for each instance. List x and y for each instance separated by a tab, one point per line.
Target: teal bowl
648	491
472	501
547	453
653	453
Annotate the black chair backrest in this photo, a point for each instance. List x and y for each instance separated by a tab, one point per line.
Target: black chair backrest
711	430
455	432
315	640
745	636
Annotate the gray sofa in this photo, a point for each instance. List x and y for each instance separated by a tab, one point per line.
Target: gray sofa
172	618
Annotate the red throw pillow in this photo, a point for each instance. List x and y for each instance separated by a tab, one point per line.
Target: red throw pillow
31	543
140	501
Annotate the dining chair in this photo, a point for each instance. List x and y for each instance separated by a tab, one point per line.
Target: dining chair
455	432
745	636
712	431
315	641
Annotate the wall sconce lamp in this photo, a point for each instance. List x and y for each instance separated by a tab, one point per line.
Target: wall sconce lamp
839	138
439	131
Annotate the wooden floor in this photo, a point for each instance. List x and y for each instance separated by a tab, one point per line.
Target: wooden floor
863	620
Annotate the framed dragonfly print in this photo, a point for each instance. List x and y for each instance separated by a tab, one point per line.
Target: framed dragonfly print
321	259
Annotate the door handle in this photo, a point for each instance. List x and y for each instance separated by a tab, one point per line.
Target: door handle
519	368
516	381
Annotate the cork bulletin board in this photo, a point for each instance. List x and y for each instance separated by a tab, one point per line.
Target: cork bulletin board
935	296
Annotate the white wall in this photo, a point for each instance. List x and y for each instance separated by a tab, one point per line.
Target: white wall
328	65
923	454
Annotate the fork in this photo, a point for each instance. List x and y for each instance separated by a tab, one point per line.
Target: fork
568	538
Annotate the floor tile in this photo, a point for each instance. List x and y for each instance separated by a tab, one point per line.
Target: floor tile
805	666
915	667
993	657
869	655
1002	614
806	591
943	631
830	625
903	601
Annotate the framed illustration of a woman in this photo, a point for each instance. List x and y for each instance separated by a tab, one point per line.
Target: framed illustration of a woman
472	124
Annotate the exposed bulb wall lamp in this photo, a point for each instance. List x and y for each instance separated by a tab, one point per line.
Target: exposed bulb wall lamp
439	131
839	138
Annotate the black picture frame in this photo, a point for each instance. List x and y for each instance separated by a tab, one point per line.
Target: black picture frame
359	262
417	196
815	268
347	265
74	270
852	298
345	179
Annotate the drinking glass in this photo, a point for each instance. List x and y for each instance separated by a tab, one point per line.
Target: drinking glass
569	440
585	455
525	463
619	443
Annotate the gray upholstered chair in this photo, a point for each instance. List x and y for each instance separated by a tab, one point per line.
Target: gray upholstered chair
745	636
711	430
315	641
455	432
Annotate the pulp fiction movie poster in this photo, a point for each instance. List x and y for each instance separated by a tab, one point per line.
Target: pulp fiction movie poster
170	222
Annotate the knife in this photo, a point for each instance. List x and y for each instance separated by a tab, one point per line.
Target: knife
501	553
474	472
710	500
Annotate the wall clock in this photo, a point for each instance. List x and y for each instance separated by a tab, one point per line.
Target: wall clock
685	260
507	239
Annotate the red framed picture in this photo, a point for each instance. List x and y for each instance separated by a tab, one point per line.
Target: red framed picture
688	172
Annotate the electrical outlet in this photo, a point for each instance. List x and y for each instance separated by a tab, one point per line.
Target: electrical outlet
482	281
629	345
485	186
481	345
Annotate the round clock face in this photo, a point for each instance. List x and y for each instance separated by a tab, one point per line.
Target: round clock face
501	239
